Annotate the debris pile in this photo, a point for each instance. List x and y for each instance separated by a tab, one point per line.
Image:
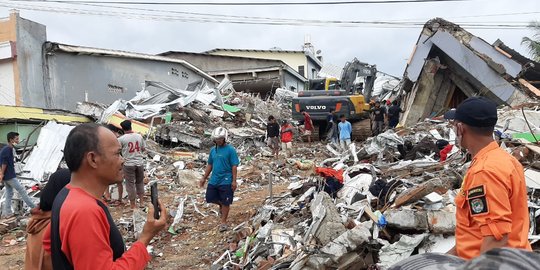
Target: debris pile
364	207
370	206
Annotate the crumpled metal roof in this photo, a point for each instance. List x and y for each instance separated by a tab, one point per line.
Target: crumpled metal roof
48	152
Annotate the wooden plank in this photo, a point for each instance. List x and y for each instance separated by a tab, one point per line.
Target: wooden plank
530	86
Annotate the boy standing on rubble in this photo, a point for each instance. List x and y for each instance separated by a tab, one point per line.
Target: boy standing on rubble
222	164
491	207
133	146
8	176
272	135
345	130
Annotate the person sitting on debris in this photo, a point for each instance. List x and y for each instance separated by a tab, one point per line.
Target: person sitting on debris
117	132
272	135
393	114
345	131
82	232
286	137
8	176
307	128
491	207
36	257
332	127
133	146
222	164
379	114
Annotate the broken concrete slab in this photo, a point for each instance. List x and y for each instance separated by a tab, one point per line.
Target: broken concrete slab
330	226
441	222
407	219
348	241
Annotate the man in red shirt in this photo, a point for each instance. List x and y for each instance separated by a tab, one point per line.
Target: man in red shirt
286	137
82	233
308	125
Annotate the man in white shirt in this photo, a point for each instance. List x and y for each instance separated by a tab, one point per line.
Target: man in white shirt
133	146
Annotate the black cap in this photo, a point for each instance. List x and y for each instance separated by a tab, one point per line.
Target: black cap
475	112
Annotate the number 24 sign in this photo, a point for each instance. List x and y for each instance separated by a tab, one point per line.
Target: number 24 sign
134	147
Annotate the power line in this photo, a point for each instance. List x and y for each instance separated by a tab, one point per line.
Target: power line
244	3
225	16
254	20
281	19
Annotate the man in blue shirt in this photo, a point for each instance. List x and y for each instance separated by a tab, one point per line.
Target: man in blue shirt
345	130
7	175
222	164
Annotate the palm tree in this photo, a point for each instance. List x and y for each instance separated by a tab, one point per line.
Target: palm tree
533	44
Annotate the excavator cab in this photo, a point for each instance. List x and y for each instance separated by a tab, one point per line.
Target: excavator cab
323	84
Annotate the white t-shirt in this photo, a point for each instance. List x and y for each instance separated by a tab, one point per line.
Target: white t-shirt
132	147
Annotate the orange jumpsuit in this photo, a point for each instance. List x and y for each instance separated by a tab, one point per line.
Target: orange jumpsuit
492	202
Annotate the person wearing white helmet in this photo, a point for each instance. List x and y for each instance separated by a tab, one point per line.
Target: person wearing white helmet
222	167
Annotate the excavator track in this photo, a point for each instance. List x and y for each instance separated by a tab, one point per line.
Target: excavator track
361	130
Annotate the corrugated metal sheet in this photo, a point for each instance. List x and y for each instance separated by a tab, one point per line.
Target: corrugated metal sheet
48	152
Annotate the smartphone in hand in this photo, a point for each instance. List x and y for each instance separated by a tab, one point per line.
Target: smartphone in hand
154	198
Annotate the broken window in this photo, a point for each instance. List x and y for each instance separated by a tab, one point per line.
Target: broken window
116	89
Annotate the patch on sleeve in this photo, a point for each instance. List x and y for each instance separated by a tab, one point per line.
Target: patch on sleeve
478	205
476	192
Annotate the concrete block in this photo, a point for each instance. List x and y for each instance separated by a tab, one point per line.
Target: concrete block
347	242
330	226
407	219
317	262
441	222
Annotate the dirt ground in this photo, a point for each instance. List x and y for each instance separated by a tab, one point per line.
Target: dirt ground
197	244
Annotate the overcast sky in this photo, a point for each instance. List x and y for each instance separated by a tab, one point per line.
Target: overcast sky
388	48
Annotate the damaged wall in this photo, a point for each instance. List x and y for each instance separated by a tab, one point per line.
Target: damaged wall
294	59
247	74
21	81
105	79
30	39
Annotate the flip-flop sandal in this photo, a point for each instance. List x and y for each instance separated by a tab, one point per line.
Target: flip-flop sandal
223	227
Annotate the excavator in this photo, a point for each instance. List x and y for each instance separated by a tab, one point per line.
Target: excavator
349	96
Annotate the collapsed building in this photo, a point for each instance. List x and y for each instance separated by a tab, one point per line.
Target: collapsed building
449	64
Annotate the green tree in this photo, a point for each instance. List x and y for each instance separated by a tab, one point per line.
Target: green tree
533	44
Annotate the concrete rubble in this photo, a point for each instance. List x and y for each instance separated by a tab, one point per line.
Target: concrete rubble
366	207
387	209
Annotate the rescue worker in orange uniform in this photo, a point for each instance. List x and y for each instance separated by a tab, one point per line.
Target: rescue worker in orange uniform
491	207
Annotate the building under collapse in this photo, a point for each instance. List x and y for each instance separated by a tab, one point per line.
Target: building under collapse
449	64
